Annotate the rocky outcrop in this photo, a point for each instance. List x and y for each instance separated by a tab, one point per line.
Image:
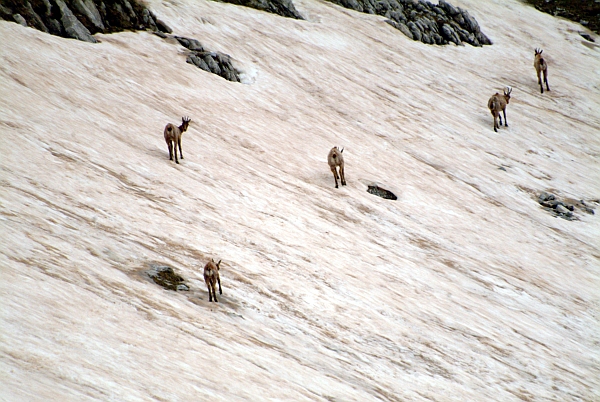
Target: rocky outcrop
433	24
564	208
213	62
285	8
166	277
81	19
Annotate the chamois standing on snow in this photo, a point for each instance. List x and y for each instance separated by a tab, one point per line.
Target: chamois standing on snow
541	67
211	278
173	137
497	104
335	160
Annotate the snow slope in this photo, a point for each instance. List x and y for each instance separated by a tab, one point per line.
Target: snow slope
464	289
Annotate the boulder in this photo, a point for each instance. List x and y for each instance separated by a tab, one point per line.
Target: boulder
72	26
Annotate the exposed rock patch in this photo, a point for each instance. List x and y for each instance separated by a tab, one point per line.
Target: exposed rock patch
587	13
213	62
80	19
164	276
433	24
285	8
564	208
381	192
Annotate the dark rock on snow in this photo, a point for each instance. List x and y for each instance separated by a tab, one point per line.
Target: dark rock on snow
423	21
81	19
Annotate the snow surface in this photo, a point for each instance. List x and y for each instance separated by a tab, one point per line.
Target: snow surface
464	289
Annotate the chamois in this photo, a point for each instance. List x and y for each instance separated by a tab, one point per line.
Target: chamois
335	159
173	137
497	104
211	278
541	67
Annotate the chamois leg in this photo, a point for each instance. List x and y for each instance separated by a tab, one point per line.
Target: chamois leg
170	150
220	290
546	80
180	151
539	74
209	292
494	116
335	176
342	176
505	121
214	293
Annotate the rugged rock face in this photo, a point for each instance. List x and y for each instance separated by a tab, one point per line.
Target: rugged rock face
285	8
423	21
80	19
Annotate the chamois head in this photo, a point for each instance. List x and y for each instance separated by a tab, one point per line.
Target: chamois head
185	123
538	52
507	92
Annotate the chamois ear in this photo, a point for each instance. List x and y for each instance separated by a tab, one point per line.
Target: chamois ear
218	264
342	150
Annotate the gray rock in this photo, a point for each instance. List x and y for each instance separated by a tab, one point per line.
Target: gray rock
54	27
438	11
394	5
129	9
544	196
561	209
448	8
212	64
162	26
124	17
484	40
149	20
449	34
191	44
34	19
471	22
414	29
404	29
352	4
382	7
459	19
73	28
398	16
88	8
48	10
198	62
19	19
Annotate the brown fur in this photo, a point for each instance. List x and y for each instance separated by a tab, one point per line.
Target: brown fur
336	160
541	67
497	104
211	278
173	137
